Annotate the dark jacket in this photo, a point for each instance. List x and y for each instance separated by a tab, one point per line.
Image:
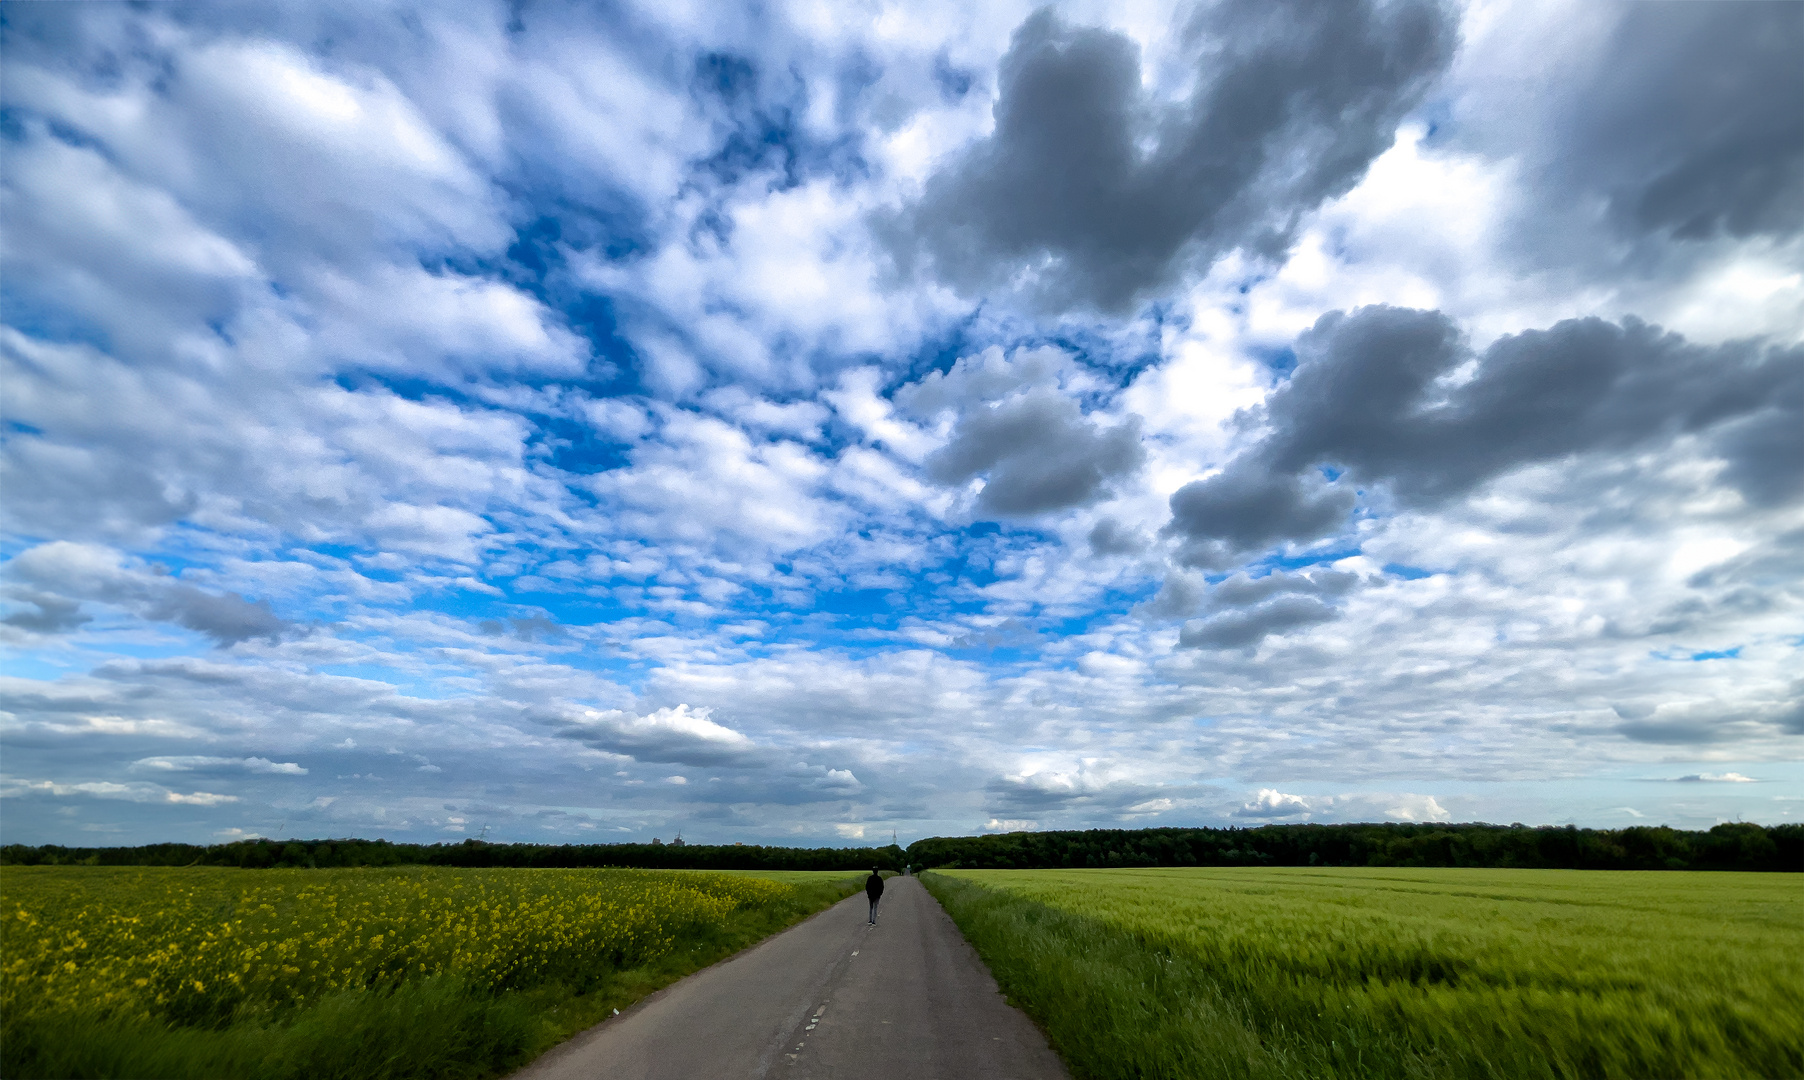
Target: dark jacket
873	886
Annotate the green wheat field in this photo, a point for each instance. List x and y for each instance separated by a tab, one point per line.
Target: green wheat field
1343	972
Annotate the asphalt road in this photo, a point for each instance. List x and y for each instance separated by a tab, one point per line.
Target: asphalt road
830	998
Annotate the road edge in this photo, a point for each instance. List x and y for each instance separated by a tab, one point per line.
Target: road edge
575	1042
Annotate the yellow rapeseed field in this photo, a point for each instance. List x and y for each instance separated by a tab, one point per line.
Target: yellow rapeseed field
197	945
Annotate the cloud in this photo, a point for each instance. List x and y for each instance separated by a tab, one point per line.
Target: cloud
1416	808
1246	508
1008	825
106	789
990	375
1676	148
1272	803
1365	396
1180	595
1044	791
85	572
1110	537
1379	393
54	614
1037	452
706	482
1018	420
1244	629
1241	611
191	763
1085	792
528	628
1769	711
1091	192
1688	730
1241	589
821	781
679	735
1717	778
201	798
333	153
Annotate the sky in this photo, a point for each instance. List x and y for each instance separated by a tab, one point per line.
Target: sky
812	423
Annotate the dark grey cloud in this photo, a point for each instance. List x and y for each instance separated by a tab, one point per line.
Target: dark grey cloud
1356	377
1246	507
1690	730
1705	723
1098	194
1376	394
1692	126
227	618
1365	397
1111	537
1037	452
54	614
1181	595
1790	718
1245	629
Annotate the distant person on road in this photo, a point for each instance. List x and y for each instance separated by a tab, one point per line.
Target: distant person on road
873	888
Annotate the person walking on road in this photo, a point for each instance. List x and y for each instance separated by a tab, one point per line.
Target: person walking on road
873	888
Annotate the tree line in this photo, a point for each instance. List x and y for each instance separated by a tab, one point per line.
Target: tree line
266	854
1734	846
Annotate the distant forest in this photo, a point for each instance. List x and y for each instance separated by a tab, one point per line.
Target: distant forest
1726	847
262	854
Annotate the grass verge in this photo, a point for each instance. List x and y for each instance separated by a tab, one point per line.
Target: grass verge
441	1026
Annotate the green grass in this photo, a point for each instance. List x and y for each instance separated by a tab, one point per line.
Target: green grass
160	972
1254	972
